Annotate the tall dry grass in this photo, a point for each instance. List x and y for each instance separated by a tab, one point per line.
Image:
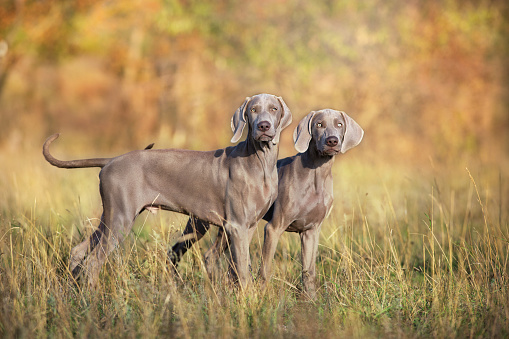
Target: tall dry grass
405	253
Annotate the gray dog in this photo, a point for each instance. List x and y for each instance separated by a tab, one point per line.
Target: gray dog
305	194
305	187
232	187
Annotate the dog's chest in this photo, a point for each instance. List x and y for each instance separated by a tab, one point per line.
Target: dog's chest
311	213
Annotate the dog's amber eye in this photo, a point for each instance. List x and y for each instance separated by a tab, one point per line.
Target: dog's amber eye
252	110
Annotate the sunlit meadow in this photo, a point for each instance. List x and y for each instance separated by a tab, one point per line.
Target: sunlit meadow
417	244
404	253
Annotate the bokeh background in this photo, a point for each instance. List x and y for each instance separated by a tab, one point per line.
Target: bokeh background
427	80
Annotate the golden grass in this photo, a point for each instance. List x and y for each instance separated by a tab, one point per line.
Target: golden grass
406	252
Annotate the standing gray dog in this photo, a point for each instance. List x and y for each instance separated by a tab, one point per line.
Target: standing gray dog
305	187
305	194
232	187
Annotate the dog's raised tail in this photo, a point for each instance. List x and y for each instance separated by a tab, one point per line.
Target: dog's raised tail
81	163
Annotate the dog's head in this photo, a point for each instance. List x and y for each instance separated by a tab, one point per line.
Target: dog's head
332	132
265	114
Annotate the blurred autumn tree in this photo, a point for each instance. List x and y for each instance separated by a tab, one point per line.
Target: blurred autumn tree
422	78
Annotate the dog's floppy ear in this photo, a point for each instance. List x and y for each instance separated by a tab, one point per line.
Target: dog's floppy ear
239	120
353	133
302	133
286	119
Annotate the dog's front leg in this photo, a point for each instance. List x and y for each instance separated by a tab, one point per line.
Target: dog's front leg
239	237
309	243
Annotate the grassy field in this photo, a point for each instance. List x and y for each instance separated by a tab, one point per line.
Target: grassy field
417	244
406	252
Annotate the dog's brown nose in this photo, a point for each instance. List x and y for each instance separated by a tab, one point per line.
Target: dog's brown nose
264	126
332	141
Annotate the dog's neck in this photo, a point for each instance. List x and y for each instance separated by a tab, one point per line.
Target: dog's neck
320	166
266	151
315	160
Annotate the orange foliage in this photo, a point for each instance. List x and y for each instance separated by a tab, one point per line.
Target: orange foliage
423	79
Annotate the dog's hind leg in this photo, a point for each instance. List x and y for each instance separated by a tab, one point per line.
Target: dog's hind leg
116	223
195	230
80	251
211	257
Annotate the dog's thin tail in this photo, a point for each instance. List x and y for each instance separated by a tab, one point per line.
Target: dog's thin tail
81	163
